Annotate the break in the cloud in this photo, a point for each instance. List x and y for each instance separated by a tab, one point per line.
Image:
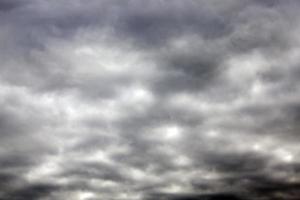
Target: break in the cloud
135	99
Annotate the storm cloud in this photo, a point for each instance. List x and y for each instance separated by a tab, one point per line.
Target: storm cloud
149	99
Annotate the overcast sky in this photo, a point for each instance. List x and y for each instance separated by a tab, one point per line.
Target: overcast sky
149	99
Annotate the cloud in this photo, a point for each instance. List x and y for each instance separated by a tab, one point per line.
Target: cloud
149	99
6	6
30	192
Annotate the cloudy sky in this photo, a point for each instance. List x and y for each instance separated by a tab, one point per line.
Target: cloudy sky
149	100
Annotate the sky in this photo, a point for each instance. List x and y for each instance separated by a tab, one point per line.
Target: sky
149	100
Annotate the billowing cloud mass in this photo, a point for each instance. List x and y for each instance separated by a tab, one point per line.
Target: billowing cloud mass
149	100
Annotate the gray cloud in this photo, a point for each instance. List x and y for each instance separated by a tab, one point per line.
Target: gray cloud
149	100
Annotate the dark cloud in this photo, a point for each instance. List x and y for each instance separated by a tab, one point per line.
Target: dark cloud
197	197
30	192
236	163
6	5
149	100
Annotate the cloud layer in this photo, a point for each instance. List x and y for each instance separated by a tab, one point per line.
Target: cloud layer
166	100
